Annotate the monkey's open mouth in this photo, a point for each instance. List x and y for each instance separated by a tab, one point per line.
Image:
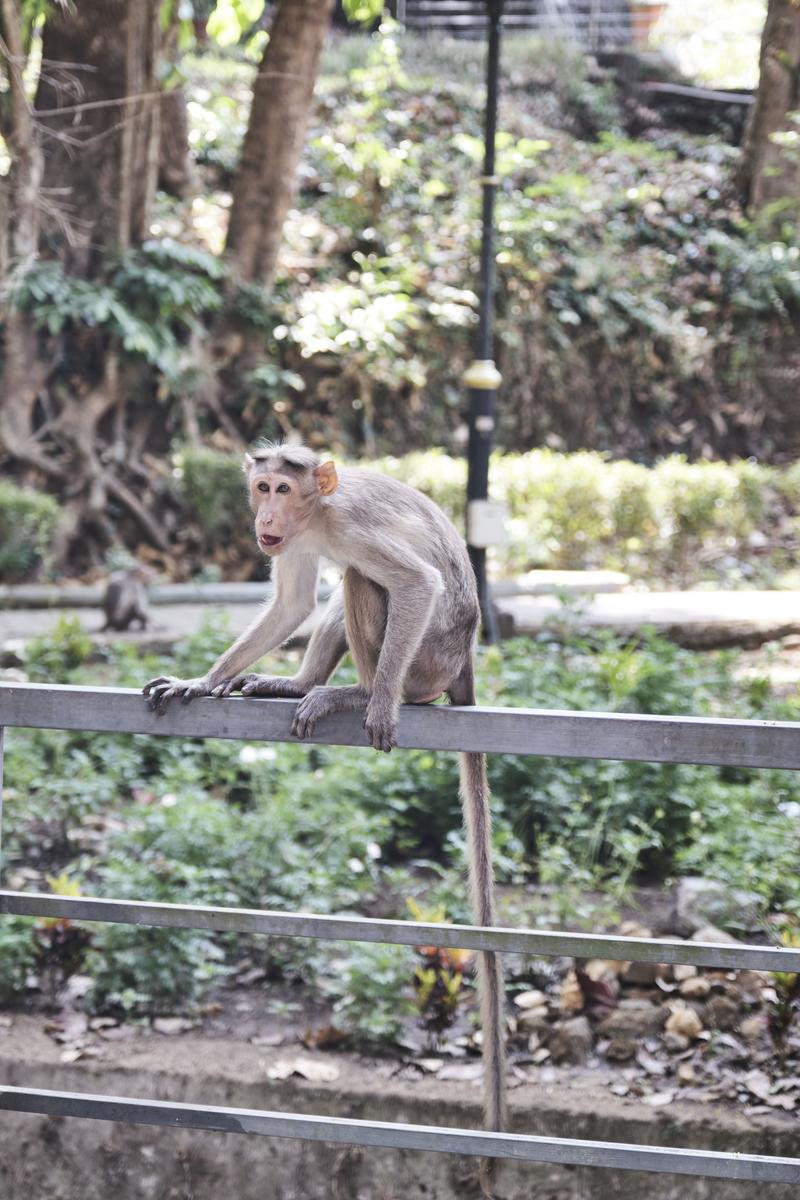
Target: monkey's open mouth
268	541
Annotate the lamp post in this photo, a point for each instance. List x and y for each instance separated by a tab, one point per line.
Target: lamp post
482	378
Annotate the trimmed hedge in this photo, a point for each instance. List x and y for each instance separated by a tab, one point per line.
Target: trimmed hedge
28	523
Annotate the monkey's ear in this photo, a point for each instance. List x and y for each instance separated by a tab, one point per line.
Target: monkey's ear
248	464
327	479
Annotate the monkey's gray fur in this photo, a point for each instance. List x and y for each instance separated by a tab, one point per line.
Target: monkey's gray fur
407	610
125	598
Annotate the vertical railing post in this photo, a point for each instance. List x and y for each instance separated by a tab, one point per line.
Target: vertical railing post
2	743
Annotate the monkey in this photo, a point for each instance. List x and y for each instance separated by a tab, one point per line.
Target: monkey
125	598
407	609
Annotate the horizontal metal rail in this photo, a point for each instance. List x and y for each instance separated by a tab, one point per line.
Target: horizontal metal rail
403	933
754	1168
542	732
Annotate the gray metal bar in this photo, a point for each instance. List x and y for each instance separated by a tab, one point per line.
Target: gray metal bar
403	933
755	1168
543	732
2	787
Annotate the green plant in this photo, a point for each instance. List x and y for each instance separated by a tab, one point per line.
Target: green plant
53	656
17	957
28	522
150	971
371	990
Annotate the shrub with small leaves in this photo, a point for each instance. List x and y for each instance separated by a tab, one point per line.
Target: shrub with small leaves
28	522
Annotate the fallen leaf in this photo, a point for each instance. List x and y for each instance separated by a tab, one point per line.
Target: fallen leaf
431	1065
758	1083
308	1068
267	1039
169	1026
323	1037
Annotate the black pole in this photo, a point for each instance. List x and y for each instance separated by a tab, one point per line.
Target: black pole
482	378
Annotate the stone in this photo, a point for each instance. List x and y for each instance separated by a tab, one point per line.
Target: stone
642	973
684	1020
753	1029
620	1049
683	971
712	933
686	1074
531	999
675	1043
700	902
696	987
570	1040
532	1018
635	1019
721	1013
571	998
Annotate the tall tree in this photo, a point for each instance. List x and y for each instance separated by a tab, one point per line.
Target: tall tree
98	107
264	184
767	174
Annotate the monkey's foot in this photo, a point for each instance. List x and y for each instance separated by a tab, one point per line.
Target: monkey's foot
160	691
260	685
321	702
381	723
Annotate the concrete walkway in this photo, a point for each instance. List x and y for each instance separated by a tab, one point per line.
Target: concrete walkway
700	619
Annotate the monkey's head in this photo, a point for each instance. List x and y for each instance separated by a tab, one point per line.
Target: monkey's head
285	485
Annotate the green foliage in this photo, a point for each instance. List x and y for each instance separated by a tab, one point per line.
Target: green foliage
150	301
17	957
28	522
371	987
54	656
150	971
213	490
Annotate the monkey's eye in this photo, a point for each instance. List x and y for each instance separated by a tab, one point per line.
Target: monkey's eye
263	487
283	487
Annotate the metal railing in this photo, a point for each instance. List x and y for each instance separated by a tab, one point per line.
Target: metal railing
515	731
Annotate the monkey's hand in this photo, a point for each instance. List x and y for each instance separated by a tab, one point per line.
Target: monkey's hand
160	691
381	722
261	685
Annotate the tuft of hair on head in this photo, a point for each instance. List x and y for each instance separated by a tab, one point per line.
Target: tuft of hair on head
293	455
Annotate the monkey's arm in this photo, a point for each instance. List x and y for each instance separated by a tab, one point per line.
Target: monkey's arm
295	594
412	586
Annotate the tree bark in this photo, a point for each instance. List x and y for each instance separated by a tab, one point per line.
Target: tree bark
264	185
98	106
767	173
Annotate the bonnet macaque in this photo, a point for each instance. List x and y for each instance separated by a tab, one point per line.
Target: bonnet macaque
407	610
125	598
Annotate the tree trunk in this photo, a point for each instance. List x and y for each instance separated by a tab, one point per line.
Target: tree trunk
767	173
264	184
98	105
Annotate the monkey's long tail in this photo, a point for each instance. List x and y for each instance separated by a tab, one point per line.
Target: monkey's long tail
478	822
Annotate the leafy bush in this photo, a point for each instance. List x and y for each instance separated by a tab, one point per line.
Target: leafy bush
55	655
17	956
28	522
371	987
150	971
213	490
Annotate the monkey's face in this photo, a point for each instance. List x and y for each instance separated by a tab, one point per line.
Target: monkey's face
284	501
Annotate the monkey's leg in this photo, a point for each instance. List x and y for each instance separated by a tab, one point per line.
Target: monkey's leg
321	702
325	649
478	824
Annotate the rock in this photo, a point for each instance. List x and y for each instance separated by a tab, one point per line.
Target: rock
532	999
634	1019
686	1074
685	1021
676	1043
532	1018
696	987
603	968
683	971
620	1049
642	973
753	1028
701	902
722	1013
570	1040
634	930
571	999
712	933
